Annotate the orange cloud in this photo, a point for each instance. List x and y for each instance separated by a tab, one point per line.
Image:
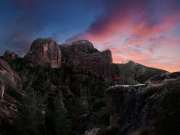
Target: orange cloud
112	29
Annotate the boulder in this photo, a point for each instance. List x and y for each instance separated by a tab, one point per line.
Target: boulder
44	52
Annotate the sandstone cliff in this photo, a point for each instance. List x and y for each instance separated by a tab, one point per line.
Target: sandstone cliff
44	52
84	57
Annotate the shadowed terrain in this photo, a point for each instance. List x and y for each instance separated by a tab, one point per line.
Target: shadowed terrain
75	89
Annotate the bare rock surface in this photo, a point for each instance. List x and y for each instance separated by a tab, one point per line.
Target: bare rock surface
44	52
82	55
10	82
144	109
8	77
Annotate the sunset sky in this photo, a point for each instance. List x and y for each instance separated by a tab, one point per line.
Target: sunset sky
145	31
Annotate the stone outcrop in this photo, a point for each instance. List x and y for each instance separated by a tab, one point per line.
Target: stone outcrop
9	56
44	52
83	56
144	109
10	82
163	77
8	77
8	110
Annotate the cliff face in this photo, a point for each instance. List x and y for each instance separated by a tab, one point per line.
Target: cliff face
44	52
8	77
81	55
144	109
10	83
84	57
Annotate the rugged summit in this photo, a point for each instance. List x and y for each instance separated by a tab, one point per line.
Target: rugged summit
9	56
84	57
45	52
81	55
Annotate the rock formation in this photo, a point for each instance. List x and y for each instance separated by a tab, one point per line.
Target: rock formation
45	52
133	73
9	56
9	80
144	109
71	100
8	77
156	79
83	56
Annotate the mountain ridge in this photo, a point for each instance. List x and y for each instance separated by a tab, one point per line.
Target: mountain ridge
67	93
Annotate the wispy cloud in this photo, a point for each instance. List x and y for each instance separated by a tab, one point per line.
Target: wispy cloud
139	30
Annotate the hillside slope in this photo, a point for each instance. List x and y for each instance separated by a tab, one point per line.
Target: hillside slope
70	97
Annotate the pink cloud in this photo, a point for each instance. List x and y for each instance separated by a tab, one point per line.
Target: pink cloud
132	33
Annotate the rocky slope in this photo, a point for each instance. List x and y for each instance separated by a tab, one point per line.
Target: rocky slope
133	73
10	84
62	89
151	109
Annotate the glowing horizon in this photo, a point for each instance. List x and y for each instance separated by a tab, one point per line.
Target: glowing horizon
144	31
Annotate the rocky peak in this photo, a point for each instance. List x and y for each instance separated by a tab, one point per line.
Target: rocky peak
8	55
83	43
108	55
45	52
83	56
83	46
